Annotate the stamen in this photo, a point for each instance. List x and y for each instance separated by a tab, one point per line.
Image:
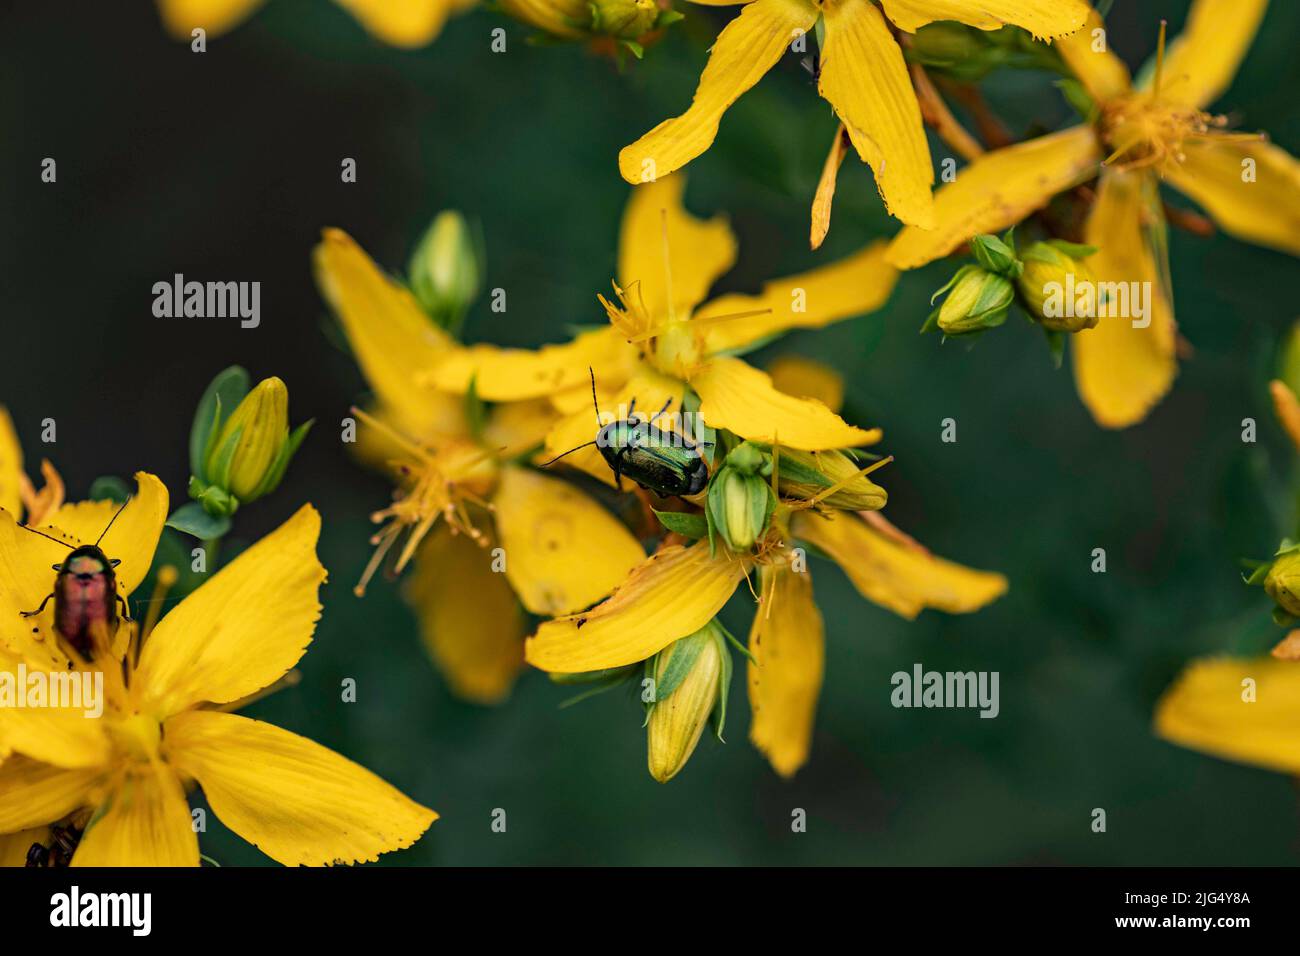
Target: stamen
1160	58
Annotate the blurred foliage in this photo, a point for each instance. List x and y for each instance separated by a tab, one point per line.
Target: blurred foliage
226	165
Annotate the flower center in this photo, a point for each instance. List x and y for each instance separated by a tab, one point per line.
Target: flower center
136	737
434	482
1144	131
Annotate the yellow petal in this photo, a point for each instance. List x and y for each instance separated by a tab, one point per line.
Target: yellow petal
806	378
855	285
243	629
1043	18
15	846
1120	371
470	620
11	466
403	23
1206	709
742	399
512	375
662	247
34	794
300	803
147	823
215	16
1287	408
513	428
865	79
825	194
1202	60
785	677
394	342
1089	55
648	388
674	592
747	48
563	551
1264	209
895	573
998	190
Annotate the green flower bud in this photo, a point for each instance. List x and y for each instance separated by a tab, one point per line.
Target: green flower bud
739	503
1283	582
246	454
996	255
690	677
977	300
946	43
624	19
806	475
446	269
1057	288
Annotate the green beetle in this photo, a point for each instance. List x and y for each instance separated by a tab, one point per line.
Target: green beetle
664	462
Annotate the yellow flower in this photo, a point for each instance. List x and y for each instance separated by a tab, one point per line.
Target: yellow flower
661	340
401	23
1245	710
167	693
1156	129
17	493
680	589
862	76
481	527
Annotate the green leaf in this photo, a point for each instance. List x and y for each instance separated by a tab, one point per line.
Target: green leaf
226	390
692	526
193	520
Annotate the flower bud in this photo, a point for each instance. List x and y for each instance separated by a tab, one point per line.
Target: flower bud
739	502
806	475
1057	288
246	454
561	18
996	255
1283	582
690	682
624	19
446	268
977	300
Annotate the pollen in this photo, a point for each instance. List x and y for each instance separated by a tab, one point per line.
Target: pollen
443	481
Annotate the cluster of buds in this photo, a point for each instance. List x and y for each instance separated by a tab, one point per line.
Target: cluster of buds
240	444
740	501
1039	278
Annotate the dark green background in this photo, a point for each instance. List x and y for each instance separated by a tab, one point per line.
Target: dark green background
226	165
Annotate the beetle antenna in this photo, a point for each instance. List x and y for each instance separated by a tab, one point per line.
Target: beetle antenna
70	547
594	403
111	520
547	464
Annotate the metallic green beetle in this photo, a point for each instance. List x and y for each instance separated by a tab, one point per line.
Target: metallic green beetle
664	462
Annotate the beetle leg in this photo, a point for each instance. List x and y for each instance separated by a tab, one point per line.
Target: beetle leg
662	410
631	408
126	608
39	609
